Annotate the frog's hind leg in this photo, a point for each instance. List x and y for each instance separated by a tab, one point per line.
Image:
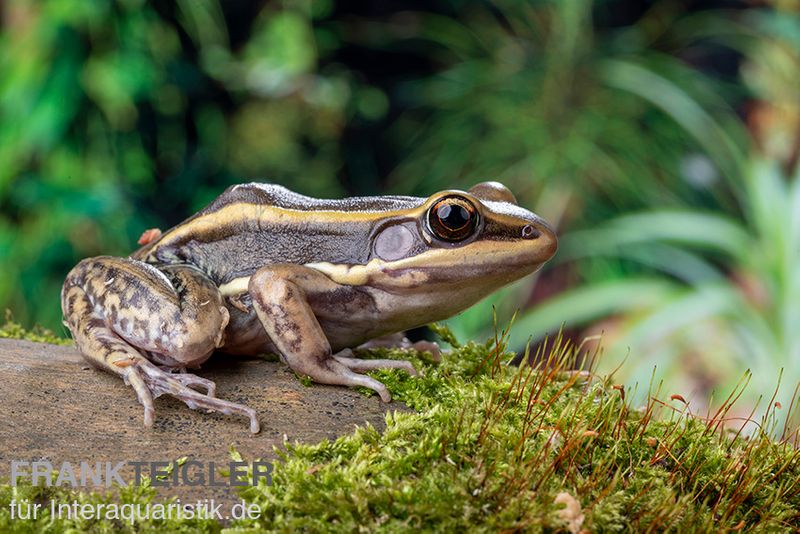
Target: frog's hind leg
121	310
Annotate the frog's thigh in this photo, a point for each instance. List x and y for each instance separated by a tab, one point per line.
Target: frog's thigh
280	296
176	312
116	307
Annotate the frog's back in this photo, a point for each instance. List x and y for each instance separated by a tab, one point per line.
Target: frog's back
277	196
252	225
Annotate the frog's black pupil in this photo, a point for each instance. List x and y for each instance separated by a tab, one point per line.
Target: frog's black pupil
453	216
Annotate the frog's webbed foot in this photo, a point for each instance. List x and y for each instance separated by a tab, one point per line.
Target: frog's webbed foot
193	381
149	382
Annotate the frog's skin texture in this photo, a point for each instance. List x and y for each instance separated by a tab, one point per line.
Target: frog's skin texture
266	270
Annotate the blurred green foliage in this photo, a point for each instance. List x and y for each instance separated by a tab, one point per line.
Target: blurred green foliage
662	139
706	290
119	116
674	178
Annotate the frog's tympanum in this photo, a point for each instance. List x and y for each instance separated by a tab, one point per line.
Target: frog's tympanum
266	270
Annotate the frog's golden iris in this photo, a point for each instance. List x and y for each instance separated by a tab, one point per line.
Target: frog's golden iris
453	218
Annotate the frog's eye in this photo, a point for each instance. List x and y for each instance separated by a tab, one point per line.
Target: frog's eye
453	218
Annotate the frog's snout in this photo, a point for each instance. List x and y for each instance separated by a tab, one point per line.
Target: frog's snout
543	237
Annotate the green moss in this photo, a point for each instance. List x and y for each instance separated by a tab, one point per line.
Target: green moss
14	330
505	448
132	497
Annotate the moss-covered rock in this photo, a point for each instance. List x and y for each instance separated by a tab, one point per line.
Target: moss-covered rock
497	447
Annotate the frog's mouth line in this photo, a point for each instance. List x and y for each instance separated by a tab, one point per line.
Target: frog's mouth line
479	260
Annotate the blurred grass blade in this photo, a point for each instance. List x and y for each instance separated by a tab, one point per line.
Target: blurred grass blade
794	206
674	261
714	309
582	305
708	231
682	311
769	208
683	109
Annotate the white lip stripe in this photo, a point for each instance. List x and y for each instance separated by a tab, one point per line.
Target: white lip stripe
343	274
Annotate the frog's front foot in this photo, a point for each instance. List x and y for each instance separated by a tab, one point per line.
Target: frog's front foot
357	365
149	381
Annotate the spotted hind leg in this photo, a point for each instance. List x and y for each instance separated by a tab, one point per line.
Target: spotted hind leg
123	313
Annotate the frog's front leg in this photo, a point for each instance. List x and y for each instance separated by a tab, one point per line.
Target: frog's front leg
134	320
285	297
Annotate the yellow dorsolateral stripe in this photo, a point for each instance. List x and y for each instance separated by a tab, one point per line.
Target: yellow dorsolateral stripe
242	212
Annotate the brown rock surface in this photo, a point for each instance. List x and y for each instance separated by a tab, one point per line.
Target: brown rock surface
54	407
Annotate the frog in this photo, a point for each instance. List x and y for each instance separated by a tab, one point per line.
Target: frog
265	270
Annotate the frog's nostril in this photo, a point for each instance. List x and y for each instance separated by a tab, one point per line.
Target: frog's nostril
530	232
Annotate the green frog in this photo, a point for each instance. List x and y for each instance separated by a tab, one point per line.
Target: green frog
265	270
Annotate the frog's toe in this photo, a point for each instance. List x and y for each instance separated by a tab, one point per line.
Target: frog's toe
429	346
150	382
362	366
333	371
134	379
399	341
193	381
355	379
